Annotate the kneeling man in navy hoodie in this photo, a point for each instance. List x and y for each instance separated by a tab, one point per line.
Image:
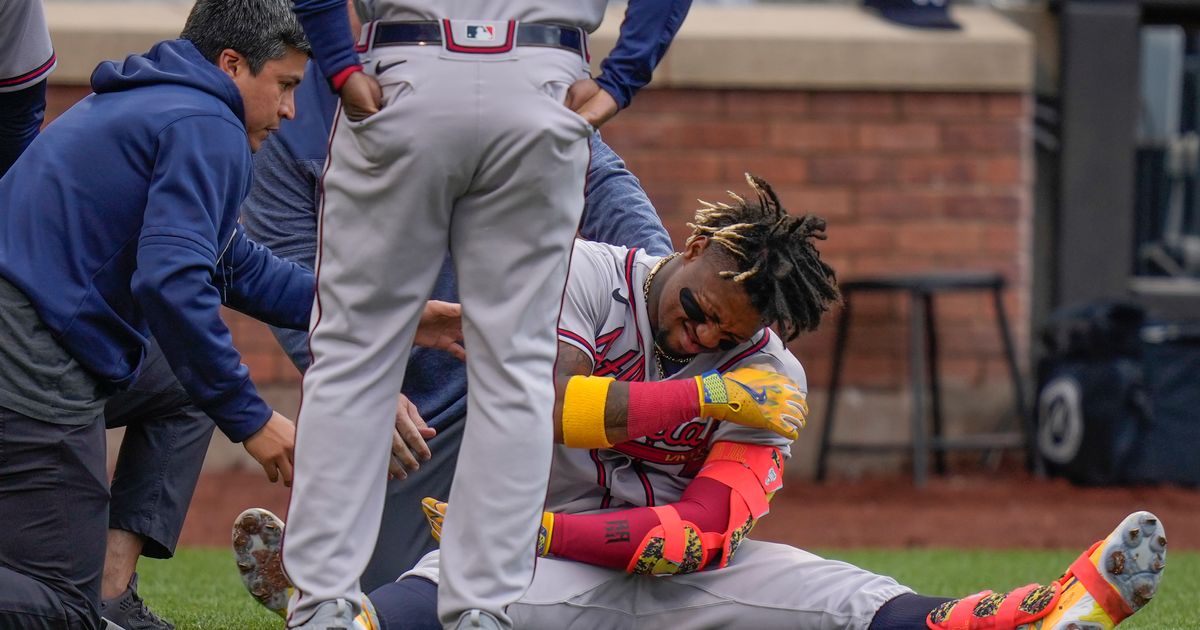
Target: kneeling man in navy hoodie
120	222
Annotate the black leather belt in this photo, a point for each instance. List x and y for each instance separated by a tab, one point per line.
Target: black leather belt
528	34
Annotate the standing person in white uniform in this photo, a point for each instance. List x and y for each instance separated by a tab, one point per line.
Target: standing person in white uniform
26	59
453	134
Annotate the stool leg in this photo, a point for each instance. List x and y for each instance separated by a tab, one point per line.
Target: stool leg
839	350
1032	461
935	388
916	365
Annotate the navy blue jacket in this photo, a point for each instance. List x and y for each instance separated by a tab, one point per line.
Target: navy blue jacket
120	221
281	213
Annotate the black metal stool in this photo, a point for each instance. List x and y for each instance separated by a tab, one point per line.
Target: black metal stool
923	335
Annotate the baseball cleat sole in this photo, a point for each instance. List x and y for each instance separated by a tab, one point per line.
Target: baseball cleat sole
1133	558
257	546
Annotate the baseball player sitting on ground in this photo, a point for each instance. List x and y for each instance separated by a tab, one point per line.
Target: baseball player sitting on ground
675	411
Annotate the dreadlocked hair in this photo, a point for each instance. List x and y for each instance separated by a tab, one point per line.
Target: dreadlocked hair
776	258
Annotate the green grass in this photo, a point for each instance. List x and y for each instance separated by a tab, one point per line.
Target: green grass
200	590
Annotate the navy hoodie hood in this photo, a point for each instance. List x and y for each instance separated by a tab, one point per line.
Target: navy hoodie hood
172	62
120	222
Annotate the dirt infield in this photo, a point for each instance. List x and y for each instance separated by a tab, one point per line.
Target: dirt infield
996	511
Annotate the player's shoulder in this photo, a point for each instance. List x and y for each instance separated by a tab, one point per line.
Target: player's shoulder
768	350
600	259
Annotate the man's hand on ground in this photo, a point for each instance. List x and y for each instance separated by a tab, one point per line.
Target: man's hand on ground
441	328
586	98
361	96
272	446
408	440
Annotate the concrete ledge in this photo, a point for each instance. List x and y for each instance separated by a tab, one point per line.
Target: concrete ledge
819	47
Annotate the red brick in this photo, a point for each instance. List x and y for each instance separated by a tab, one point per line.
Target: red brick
60	98
766	104
1009	106
961	370
723	135
870	105
881	371
939	237
653	132
981	339
875	308
888	337
1001	239
779	169
674	166
264	368
811	136
983	136
860	238
897	203
690	102
1004	170
941	105
990	207
959	307
831	203
939	170
898	137
891	263
850	170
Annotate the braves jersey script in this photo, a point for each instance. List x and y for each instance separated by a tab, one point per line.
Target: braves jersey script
604	314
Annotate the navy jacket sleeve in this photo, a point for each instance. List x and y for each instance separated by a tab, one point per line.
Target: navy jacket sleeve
646	33
615	208
265	287
200	175
327	27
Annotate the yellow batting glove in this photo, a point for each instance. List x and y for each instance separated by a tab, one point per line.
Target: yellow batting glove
754	398
435	514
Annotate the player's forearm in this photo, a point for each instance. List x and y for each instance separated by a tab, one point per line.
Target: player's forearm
616	539
598	412
646	33
327	27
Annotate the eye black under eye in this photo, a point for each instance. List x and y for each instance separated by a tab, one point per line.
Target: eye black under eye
691	307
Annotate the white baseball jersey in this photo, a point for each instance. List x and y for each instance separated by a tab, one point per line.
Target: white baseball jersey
604	314
26	55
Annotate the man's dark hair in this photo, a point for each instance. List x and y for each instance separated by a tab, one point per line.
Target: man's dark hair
775	257
261	30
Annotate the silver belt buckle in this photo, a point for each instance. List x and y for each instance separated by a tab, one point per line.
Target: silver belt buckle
479	36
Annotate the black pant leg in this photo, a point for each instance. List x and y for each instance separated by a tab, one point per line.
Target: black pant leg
53	520
21	114
404	534
166	440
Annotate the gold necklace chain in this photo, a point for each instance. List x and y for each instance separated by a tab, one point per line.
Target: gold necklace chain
659	353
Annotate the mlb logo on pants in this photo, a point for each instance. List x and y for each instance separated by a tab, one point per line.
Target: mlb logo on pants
481	33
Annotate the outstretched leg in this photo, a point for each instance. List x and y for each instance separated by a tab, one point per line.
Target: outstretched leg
1112	580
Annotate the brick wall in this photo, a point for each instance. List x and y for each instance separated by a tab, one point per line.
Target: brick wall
907	181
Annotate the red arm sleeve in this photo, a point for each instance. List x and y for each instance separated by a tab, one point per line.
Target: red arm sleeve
612	538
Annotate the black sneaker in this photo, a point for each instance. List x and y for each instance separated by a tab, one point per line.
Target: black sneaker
127	611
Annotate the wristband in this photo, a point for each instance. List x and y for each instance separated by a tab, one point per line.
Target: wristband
583	412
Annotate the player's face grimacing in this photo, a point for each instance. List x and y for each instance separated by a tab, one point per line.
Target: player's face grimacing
699	311
267	97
